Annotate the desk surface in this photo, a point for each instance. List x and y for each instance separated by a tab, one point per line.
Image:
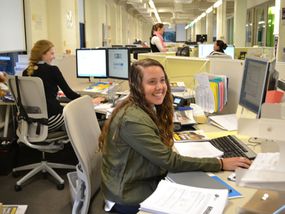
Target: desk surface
235	203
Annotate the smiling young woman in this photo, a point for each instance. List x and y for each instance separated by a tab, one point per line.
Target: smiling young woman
136	142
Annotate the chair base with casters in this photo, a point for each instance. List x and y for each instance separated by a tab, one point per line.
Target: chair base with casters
57	139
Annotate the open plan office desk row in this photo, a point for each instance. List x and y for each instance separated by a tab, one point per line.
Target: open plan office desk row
234	204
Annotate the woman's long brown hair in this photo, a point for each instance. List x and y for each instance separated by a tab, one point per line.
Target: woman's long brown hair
162	116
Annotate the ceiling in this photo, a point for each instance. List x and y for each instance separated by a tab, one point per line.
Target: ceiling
174	11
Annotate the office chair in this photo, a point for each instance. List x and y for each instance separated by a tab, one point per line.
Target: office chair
83	130
32	127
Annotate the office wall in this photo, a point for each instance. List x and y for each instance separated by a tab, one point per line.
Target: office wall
57	20
36	21
54	20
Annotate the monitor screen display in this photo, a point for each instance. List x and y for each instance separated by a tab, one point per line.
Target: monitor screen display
119	63
205	49
91	63
201	38
254	84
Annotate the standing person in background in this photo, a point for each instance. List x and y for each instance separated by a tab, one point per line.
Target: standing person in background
136	142
219	47
42	54
156	40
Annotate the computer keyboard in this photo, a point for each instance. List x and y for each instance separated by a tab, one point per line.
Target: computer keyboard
233	147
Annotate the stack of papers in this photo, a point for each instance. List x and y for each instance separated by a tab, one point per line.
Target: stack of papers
212	92
265	172
198	149
226	122
180	199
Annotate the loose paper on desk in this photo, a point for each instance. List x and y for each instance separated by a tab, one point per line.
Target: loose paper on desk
263	173
198	149
227	122
181	199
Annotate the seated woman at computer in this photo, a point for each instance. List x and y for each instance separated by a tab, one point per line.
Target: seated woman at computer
156	40
42	54
137	140
219	47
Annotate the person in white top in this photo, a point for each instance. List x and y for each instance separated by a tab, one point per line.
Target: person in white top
156	40
219	47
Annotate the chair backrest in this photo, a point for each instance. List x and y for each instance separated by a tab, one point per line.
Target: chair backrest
83	131
32	96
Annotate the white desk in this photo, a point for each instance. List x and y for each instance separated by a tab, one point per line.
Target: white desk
233	204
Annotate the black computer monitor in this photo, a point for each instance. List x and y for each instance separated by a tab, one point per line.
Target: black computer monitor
91	63
119	63
254	84
137	50
201	38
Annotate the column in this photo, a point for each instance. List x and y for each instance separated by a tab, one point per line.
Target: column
239	22
209	27
280	56
222	22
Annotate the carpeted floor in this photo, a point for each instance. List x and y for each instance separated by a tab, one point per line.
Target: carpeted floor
39	193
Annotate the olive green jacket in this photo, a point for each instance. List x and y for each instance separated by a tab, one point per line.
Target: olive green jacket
135	159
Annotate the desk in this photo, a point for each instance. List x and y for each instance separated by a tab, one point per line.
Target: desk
247	193
8	106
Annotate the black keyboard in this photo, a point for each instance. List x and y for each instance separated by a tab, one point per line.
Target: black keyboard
233	147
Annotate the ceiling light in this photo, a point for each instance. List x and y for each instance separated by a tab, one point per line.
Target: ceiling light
218	3
151	4
209	10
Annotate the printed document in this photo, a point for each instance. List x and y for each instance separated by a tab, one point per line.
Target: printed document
227	122
198	149
180	199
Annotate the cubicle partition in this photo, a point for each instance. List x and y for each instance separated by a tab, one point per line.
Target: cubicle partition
185	68
156	56
264	52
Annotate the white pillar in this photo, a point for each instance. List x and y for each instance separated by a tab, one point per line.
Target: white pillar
198	29
240	9
209	27
280	55
193	33
222	22
203	25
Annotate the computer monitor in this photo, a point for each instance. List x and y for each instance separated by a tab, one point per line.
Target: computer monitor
119	63
91	63
254	84
201	38
205	49
137	50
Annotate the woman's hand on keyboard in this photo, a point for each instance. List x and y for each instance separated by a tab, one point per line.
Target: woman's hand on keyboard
230	164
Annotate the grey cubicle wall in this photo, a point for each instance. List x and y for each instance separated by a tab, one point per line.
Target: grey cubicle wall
233	69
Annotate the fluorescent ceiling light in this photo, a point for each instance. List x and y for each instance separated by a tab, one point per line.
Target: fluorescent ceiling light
218	3
151	4
209	10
